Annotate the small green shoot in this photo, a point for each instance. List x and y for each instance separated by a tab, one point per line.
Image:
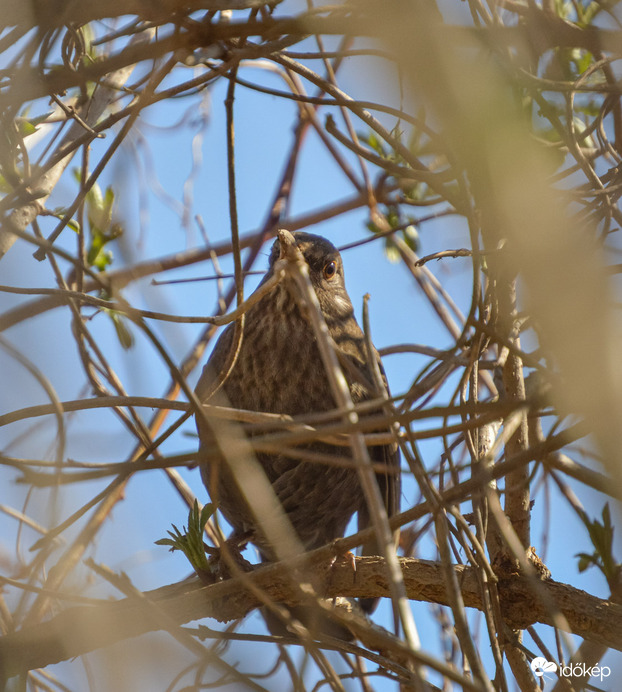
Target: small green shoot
190	541
601	536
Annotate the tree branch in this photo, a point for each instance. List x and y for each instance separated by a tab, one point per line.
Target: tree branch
79	630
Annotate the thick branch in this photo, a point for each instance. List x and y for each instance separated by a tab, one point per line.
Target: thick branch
517	495
85	628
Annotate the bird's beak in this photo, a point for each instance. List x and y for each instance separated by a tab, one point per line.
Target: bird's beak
287	245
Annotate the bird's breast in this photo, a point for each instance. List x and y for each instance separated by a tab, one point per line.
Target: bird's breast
279	368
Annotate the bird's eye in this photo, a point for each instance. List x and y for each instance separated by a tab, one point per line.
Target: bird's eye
330	269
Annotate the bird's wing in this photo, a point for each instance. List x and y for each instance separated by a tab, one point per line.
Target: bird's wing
208	381
389	484
214	365
360	380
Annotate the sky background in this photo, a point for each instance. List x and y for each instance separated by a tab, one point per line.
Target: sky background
170	169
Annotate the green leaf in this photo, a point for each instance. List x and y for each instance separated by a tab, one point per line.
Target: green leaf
391	252
99	208
585	561
41	118
125	336
190	542
5	188
373	142
601	536
206	513
25	127
580	127
88	36
606	515
411	237
60	213
28	126
74	225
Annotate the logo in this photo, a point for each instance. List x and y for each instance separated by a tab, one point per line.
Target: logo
540	666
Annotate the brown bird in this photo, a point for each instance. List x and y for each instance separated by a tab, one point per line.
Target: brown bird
279	369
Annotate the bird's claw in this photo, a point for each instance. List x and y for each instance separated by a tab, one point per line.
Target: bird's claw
349	557
228	557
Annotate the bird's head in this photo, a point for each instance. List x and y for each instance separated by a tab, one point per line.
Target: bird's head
325	269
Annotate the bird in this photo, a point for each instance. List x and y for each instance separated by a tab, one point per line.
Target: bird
278	369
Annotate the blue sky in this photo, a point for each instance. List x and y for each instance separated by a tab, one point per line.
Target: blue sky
399	312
